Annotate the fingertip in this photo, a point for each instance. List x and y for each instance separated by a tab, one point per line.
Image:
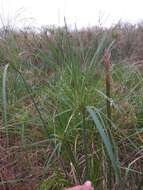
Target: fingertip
88	183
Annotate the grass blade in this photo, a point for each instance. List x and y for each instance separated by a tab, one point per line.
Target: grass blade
5	102
106	142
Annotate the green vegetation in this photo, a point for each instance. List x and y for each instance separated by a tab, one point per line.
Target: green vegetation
71	108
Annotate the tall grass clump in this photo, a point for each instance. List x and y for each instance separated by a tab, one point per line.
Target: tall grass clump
70	113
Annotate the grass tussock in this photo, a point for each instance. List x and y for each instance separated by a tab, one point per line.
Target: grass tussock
71	108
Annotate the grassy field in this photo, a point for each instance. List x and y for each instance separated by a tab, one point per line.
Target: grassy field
71	108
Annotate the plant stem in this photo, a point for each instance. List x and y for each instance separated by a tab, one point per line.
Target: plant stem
108	107
85	142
